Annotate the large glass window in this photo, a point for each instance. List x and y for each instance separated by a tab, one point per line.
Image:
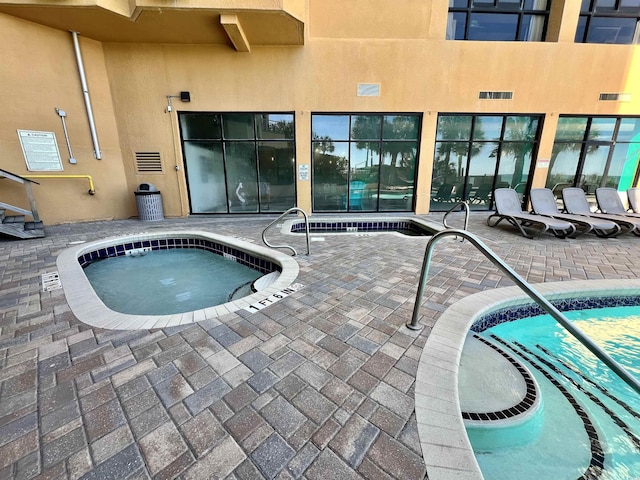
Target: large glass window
474	154
364	162
609	21
498	20
239	162
592	152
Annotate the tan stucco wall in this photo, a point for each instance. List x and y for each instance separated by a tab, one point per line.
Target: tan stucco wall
39	73
399	45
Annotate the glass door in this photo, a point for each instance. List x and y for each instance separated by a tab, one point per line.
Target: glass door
239	162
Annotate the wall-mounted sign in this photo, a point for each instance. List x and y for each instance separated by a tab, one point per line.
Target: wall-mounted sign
543	163
303	172
40	151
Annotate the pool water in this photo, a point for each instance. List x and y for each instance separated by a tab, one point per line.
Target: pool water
578	393
162	282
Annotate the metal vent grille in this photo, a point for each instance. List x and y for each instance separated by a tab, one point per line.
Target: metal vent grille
368	89
148	162
495	95
615	97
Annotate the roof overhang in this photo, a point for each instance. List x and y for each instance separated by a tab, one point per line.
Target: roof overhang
207	22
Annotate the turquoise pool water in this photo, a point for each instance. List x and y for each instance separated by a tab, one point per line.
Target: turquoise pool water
162	282
589	423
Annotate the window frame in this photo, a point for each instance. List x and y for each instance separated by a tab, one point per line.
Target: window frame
591	12
495	7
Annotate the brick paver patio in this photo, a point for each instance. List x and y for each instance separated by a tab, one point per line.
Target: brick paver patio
318	386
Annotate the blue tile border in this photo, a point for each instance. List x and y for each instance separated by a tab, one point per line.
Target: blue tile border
405	227
509	314
118	250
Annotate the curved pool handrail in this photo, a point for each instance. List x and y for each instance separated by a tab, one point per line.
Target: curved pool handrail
306	228
463	204
529	290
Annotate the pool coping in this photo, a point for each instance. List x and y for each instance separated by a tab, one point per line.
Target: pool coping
446	449
427	224
89	309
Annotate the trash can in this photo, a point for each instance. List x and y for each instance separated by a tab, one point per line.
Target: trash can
149	203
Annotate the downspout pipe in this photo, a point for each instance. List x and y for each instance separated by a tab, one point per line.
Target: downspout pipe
87	99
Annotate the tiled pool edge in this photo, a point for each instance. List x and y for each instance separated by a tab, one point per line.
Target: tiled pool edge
89	309
445	446
375	225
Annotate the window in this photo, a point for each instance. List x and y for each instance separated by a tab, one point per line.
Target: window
364	162
239	162
474	154
498	20
609	21
592	152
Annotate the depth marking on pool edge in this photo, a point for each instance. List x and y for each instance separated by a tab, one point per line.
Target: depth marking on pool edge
50	281
259	305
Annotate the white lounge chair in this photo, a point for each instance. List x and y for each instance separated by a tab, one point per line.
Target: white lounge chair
609	202
575	202
530	225
633	194
543	202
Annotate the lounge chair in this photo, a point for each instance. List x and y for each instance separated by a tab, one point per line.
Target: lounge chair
575	201
609	202
633	194
543	202
508	208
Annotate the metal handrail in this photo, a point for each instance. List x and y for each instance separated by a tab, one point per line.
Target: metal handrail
92	189
529	290
466	215
306	224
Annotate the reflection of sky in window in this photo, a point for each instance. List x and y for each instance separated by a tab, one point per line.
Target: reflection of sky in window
629	130
602	128
487	128
336	127
481	163
566	163
595	160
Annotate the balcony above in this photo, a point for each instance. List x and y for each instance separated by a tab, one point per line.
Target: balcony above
239	24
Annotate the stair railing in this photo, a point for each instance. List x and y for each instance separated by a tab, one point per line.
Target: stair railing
528	289
462	204
306	227
27	187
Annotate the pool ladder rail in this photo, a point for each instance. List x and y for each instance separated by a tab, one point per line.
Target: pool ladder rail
306	228
465	206
524	286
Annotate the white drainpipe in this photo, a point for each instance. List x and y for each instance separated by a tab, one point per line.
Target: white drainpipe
87	99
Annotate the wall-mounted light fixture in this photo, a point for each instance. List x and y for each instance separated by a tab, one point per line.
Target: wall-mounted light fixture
184	97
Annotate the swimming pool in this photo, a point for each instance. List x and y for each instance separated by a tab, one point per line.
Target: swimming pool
586	405
446	447
90	309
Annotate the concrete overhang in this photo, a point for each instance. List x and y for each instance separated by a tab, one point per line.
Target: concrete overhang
238	24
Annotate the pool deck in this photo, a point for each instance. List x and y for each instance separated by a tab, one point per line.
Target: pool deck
320	385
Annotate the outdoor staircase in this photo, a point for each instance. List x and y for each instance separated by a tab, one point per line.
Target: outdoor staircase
16	225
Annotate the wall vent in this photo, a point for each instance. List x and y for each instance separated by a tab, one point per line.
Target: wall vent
495	95
368	89
148	162
615	97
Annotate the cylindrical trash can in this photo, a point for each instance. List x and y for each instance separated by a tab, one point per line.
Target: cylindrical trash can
149	203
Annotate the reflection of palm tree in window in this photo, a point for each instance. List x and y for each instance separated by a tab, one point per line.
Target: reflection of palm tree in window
572	142
400	128
451	127
520	132
323	145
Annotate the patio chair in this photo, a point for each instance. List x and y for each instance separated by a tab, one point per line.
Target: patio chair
609	202
575	202
633	194
508	208
544	203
